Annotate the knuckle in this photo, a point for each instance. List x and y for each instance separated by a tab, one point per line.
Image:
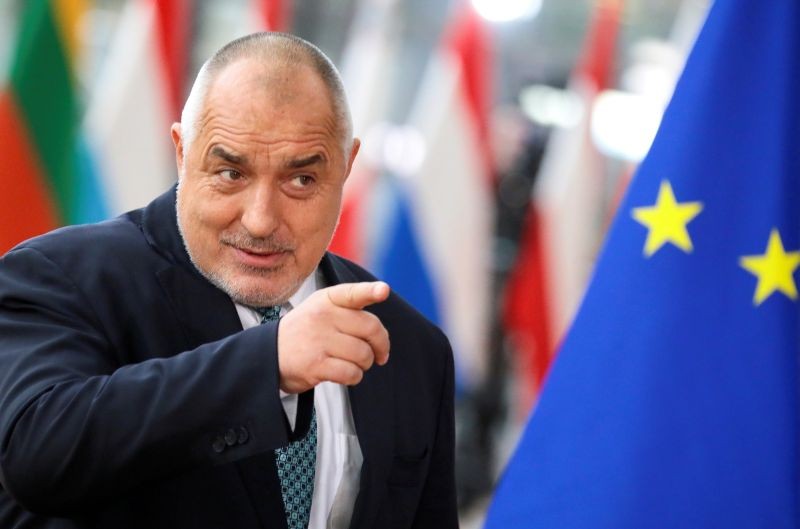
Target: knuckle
344	373
325	352
356	376
372	325
331	294
367	356
331	371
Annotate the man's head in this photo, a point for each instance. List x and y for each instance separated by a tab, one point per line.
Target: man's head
263	149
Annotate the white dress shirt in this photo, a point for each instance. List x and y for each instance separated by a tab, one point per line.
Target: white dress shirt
339	456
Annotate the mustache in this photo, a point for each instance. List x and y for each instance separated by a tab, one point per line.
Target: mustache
243	241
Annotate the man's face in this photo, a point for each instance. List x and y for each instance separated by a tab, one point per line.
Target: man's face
261	185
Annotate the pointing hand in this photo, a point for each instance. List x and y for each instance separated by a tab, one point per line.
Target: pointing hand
330	337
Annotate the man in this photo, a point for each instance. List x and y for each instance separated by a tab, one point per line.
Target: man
145	380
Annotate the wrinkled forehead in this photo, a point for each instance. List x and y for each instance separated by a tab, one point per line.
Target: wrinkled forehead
250	90
278	79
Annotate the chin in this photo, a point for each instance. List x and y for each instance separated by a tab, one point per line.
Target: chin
256	292
253	287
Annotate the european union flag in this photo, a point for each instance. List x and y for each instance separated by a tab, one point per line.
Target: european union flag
674	400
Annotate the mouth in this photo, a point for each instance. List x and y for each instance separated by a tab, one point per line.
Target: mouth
260	258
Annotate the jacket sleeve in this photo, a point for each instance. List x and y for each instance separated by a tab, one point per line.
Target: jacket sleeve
75	428
437	507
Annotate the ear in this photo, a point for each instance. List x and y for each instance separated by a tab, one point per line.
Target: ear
177	139
353	153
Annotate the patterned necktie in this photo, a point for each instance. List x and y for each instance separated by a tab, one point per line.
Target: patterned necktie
296	462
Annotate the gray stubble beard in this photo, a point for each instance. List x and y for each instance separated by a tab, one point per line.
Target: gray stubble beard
222	283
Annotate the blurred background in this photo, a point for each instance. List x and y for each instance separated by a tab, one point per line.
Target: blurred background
497	138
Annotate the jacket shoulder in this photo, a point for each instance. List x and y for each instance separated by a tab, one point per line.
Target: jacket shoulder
116	240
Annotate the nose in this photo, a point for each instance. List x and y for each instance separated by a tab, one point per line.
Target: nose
260	216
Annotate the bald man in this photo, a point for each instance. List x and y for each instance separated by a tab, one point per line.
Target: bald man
203	362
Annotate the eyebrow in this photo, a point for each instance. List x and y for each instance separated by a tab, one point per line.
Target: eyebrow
229	157
299	163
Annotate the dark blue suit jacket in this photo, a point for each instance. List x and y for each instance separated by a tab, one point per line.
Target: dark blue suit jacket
130	396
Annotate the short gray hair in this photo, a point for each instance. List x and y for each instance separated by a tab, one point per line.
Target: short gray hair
274	48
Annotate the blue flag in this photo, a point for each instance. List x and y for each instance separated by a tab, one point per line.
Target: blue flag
674	400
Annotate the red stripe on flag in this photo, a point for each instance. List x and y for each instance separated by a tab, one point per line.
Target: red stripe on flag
345	238
469	41
174	26
276	14
348	240
526	310
597	56
26	208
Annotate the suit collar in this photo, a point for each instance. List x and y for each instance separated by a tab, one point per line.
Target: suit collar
160	228
205	312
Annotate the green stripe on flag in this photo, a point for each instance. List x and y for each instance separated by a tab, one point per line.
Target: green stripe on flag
43	88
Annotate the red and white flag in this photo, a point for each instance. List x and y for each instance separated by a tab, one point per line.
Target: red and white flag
565	225
366	72
451	194
268	15
139	95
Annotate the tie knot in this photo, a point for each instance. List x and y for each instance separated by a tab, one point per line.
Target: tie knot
269	313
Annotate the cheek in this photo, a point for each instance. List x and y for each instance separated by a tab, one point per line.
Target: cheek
217	210
314	223
204	218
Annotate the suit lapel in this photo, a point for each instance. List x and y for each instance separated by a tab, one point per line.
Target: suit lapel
205	312
372	403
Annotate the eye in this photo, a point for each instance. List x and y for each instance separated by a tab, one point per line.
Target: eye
302	181
230	175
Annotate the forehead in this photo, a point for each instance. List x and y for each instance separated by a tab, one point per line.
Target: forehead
269	102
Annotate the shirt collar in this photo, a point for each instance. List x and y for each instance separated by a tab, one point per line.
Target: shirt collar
250	317
308	287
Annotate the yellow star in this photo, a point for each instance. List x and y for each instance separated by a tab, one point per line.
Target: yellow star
773	269
667	220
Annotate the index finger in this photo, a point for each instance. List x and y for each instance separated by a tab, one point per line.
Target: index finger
358	295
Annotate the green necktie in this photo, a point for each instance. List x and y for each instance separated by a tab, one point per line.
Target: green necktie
296	462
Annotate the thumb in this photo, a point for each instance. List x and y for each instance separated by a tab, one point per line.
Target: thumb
358	295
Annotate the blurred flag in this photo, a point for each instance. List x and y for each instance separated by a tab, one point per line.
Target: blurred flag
674	400
367	65
449	198
564	226
273	15
139	95
43	184
527	313
259	15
